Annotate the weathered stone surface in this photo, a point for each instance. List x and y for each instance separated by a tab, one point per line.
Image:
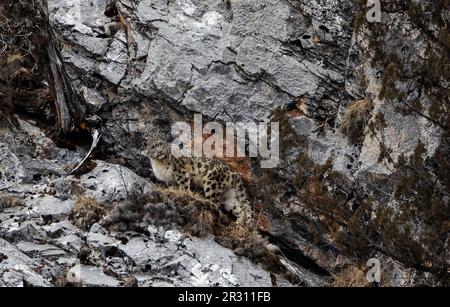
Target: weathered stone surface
58	229
52	207
71	243
22	276
99	239
64	187
214	265
243	55
109	182
144	252
40	250
90	276
402	136
192	262
326	145
16	268
13	254
45	244
12	170
15	229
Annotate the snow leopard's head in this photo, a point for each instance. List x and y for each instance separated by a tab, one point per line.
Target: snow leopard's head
158	150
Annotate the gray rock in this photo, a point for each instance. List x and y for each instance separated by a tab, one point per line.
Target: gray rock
215	265
12	279
64	187
117	59
11	170
40	250
81	16
98	238
325	145
144	252
22	276
255	42
229	60
307	278
112	71
402	135
14	230
37	169
90	276
71	243
93	99
67	262
191	262
16	268
13	254
49	206
108	183
30	159
56	230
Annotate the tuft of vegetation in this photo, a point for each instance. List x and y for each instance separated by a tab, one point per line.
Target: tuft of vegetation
165	207
354	122
404	216
356	276
9	201
405	74
86	212
417	232
196	216
353	276
249	243
23	60
414	227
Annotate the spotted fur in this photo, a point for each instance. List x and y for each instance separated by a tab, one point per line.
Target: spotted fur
220	183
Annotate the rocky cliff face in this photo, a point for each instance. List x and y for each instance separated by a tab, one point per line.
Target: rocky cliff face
364	116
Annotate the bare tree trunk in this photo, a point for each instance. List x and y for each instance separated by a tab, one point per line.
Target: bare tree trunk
70	112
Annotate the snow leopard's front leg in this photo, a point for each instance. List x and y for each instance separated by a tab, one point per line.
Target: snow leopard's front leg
212	187
183	181
210	190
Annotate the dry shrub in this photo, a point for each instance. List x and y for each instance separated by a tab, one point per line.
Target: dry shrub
170	192
165	207
193	213
86	212
125	216
350	277
205	224
249	243
356	277
130	281
196	216
9	201
23	59
355	119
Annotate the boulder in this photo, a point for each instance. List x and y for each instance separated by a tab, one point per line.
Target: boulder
109	182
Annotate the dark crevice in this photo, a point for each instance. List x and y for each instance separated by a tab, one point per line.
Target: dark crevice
296	256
